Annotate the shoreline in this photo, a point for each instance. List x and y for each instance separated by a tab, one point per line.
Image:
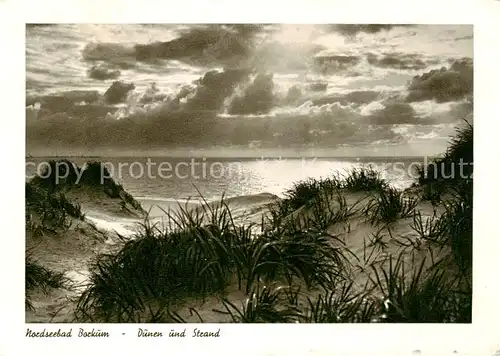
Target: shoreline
356	228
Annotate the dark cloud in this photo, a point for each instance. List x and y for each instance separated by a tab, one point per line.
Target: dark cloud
257	98
168	129
198	44
206	94
35	25
118	92
226	45
354	29
109	52
63	101
103	73
189	119
443	85
464	38
317	87
401	61
91	111
333	63
321	129
206	43
212	89
394	113
293	95
163	128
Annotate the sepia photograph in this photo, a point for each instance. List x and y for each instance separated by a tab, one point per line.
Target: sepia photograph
249	173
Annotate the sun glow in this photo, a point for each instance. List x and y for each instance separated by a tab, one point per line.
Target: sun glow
296	33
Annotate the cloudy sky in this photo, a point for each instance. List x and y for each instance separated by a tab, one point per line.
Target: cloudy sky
343	90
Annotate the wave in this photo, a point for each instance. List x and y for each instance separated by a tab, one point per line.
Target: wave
251	198
124	227
239	199
244	208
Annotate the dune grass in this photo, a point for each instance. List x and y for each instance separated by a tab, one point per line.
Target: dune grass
62	175
47	204
330	208
152	276
364	179
453	169
40	278
457	226
48	210
200	252
264	305
303	192
390	205
161	266
291	267
430	229
426	296
319	194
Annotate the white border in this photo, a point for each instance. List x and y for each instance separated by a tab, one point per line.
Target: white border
480	338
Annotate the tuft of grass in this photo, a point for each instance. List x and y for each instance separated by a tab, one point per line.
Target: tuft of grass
302	193
365	179
154	270
189	259
264	305
38	277
433	192
449	180
453	169
61	202
453	228
389	205
96	174
339	305
47	206
329	208
48	210
457	225
128	198
424	296
377	241
311	256
431	229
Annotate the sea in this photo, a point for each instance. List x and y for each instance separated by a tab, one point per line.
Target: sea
184	178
